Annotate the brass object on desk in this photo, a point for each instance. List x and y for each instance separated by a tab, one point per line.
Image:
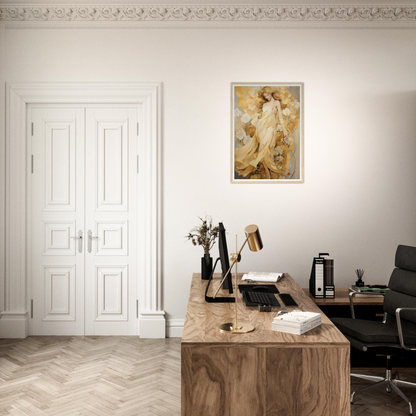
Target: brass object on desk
254	239
235	327
255	244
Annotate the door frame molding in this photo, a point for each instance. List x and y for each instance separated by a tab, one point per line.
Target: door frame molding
15	317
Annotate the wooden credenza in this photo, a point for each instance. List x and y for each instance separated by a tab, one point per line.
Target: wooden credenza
265	372
366	307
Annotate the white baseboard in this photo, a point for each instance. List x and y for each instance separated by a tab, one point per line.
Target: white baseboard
152	324
14	324
175	328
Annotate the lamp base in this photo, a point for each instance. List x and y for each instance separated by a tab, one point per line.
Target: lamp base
243	328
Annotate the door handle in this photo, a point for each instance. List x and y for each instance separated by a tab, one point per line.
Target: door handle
90	237
79	238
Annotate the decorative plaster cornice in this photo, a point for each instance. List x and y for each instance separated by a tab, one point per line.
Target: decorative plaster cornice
292	13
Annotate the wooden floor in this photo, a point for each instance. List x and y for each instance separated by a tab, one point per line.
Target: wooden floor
94	376
377	401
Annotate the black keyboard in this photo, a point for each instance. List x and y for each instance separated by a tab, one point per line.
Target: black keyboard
258	298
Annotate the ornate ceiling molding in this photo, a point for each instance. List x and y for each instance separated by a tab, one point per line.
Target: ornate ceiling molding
292	13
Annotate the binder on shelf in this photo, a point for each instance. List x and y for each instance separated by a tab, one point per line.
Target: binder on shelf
321	282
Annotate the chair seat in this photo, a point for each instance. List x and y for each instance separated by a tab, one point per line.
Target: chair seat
371	331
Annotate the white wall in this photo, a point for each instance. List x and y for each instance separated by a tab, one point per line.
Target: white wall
358	199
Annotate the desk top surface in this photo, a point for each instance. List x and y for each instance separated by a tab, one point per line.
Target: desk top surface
203	318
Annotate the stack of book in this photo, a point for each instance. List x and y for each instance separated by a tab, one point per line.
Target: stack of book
296	322
368	291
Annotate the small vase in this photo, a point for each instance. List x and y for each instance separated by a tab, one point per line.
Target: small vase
206	268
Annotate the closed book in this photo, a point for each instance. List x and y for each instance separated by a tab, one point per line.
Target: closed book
367	292
296	317
296	324
296	330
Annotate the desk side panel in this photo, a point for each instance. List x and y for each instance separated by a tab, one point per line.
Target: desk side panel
284	381
252	381
205	384
326	381
223	381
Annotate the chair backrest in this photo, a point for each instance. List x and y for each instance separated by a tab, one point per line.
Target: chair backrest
402	285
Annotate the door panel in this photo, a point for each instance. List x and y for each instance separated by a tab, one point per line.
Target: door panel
60	165
57	205
60	299
112	287
111	216
112	165
58	241
112	238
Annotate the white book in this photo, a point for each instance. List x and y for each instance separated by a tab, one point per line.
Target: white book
296	318
262	277
296	330
296	324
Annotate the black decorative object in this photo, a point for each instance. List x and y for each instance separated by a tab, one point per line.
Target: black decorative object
360	274
206	267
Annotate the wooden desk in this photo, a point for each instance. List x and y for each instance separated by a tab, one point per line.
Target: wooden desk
265	372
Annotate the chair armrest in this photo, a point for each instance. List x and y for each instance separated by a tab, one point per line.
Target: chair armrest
352	294
399	327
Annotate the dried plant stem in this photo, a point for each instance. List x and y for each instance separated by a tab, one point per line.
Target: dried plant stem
204	235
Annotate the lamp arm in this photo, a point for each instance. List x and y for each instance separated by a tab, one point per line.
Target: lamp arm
232	265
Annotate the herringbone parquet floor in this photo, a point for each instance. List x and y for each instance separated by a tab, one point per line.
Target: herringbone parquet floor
120	376
91	376
376	401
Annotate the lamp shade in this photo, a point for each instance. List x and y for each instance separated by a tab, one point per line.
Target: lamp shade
254	238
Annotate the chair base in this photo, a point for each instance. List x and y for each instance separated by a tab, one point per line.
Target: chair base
390	381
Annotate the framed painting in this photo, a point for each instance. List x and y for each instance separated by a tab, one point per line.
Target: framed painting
267	132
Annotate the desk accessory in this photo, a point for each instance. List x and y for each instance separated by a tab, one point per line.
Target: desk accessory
259	288
255	244
265	308
321	282
256	299
287	299
360	274
204	235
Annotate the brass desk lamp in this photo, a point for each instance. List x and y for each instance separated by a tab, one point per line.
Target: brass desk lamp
254	242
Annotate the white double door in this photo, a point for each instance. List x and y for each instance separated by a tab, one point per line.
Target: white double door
83	220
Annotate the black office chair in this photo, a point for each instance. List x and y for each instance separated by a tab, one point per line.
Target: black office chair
398	329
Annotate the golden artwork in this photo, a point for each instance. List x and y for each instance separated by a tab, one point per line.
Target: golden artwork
267	132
